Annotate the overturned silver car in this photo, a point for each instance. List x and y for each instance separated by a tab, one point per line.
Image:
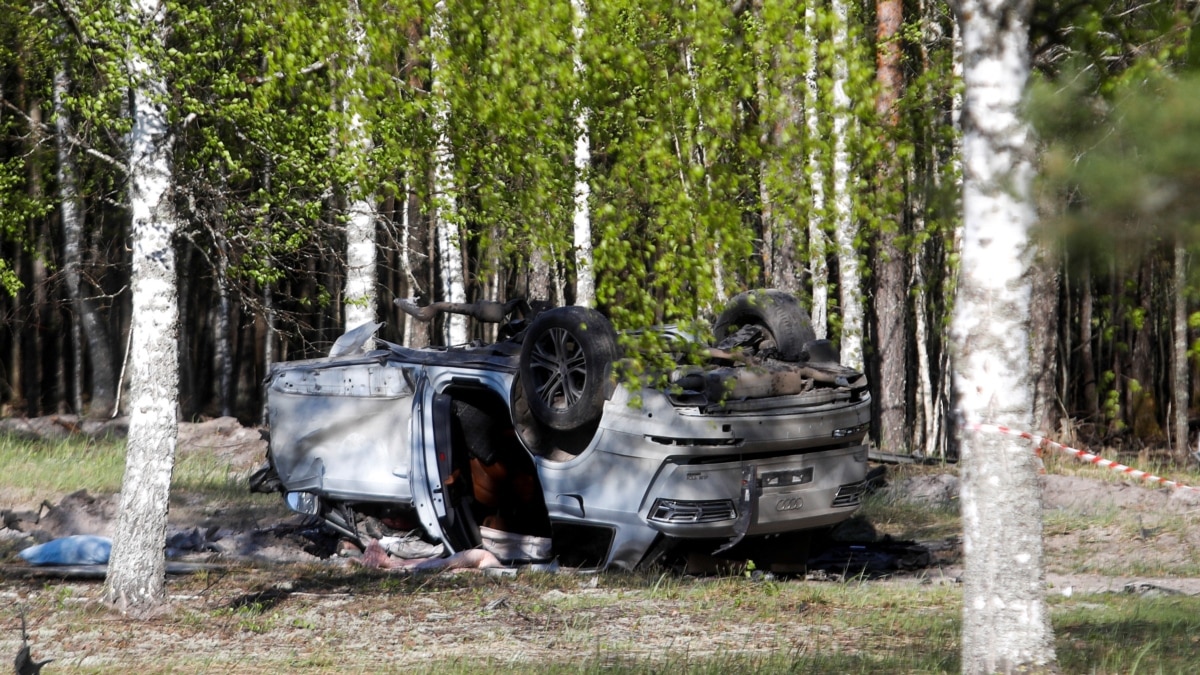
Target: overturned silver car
538	435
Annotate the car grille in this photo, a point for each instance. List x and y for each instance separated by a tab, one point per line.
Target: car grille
849	494
680	511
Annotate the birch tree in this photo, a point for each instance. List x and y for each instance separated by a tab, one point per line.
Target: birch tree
844	226
448	236
818	241
137	569
359	295
1006	624
585	281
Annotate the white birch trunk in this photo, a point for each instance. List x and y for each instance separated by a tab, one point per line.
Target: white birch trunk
1006	625
845	228
818	265
449	240
359	296
585	281
137	569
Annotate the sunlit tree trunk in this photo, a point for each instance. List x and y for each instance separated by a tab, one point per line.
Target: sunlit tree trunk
449	240
137	569
585	282
817	239
844	226
1006	624
359	295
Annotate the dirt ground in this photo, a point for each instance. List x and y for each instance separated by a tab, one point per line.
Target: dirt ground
262	603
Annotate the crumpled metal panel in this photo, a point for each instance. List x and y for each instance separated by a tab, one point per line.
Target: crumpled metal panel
342	430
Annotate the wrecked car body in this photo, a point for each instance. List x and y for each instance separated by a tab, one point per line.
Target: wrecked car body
537	436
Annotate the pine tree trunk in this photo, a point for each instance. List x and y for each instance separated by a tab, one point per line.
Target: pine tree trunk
1043	338
1006	624
891	277
222	334
1179	357
1087	355
137	568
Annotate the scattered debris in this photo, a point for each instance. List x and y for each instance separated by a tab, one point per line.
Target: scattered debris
24	663
376	558
194	541
1145	589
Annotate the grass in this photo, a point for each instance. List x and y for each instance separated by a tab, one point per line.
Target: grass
551	624
31	471
322	618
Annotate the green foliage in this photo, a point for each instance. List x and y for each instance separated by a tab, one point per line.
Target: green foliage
1128	161
665	84
24	43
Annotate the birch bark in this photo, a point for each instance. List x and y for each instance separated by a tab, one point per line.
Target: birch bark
359	296
1006	625
449	240
845	228
817	240
585	281
137	568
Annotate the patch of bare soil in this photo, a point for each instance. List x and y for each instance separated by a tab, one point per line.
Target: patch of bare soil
262	603
1100	535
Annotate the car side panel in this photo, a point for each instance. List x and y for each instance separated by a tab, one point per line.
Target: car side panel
342	431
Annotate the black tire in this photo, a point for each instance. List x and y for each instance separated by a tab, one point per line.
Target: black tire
777	312
566	364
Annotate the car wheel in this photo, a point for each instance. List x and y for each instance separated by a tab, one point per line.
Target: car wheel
566	362
776	312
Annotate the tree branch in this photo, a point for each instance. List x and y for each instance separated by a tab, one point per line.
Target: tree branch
75	141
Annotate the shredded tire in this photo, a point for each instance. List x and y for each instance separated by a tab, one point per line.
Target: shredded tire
776	312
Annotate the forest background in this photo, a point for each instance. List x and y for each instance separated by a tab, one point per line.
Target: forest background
650	159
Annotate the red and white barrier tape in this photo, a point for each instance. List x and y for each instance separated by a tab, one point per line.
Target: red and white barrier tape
1083	455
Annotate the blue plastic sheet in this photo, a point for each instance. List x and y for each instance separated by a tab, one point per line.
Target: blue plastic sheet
81	549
